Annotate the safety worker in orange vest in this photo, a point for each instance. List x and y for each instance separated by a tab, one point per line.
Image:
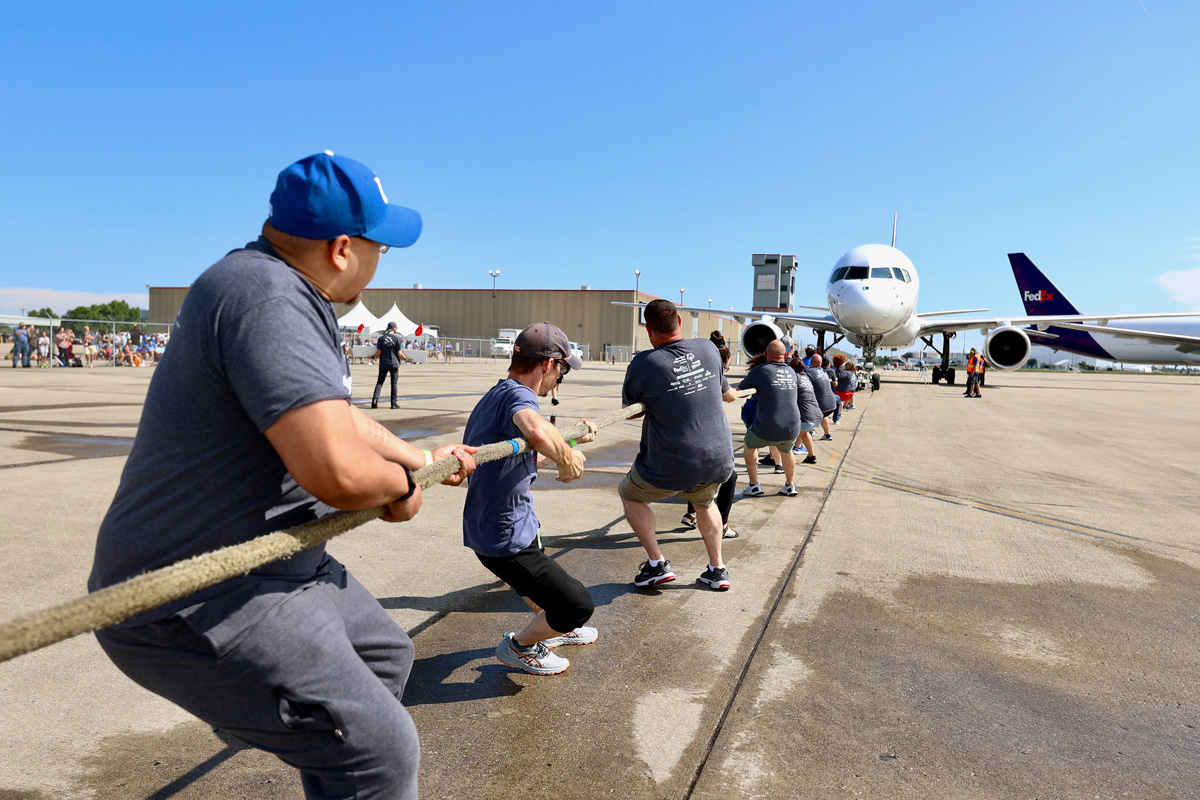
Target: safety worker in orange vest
974	373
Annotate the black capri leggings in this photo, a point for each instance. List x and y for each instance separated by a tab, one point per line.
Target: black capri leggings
724	498
533	574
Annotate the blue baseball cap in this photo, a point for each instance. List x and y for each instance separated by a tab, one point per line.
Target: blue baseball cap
324	196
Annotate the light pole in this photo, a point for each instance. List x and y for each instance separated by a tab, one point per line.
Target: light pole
637	279
710	302
495	273
681	295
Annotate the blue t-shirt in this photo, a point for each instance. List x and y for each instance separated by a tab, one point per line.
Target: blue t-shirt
685	434
498	518
253	340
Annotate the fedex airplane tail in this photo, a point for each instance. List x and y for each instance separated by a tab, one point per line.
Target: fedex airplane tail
1041	297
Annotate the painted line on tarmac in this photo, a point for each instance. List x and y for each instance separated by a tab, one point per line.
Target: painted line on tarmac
770	615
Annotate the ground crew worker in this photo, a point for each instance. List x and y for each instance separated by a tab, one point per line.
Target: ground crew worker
237	440
974	373
387	350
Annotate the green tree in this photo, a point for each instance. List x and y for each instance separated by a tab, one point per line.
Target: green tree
115	310
44	313
1032	363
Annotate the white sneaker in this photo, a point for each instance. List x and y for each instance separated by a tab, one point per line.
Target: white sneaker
535	659
788	490
581	635
753	490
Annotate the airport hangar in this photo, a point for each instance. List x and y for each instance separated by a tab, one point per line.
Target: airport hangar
587	316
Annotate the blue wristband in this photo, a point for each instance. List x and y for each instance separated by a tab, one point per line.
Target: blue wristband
516	446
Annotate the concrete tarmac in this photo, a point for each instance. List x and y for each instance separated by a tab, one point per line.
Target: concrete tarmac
985	598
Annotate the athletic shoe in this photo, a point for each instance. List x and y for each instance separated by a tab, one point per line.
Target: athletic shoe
553	401
581	635
688	521
717	578
837	422
651	576
826	438
810	460
535	659
753	490
788	490
766	461
799	451
779	470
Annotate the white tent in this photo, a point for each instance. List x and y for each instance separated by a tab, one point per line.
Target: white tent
359	315
404	325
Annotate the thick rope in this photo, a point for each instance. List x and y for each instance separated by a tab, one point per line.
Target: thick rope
149	590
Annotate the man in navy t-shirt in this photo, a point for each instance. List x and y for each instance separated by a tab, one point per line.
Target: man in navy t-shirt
237	440
387	350
686	448
498	519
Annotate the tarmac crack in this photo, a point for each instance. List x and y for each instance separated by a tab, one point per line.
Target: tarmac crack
1090	531
698	772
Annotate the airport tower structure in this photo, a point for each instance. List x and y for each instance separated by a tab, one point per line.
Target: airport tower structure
774	282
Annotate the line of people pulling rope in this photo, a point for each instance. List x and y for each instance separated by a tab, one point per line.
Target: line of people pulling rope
236	441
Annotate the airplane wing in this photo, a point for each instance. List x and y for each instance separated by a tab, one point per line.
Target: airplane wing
1042	323
1184	344
947	313
825	322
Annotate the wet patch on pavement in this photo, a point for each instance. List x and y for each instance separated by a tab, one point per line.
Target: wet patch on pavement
76	447
187	762
959	688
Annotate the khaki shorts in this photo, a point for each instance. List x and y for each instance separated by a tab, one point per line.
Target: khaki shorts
754	442
635	489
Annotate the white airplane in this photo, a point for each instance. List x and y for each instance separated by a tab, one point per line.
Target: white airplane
872	301
1154	340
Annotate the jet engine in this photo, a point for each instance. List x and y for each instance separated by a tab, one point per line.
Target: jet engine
758	335
1006	348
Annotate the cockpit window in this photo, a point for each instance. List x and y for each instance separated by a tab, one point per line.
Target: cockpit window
857	274
907	279
881	272
838	274
899	273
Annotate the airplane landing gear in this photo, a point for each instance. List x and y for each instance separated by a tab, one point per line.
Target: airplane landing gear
944	370
869	344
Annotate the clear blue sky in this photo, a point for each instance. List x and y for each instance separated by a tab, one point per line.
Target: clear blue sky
571	143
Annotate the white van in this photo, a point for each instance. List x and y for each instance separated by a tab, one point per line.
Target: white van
576	350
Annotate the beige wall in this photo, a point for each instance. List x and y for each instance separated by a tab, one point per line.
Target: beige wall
587	316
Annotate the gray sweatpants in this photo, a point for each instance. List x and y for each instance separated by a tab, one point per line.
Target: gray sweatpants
317	682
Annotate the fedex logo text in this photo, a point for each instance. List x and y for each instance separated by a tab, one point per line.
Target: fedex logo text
1039	296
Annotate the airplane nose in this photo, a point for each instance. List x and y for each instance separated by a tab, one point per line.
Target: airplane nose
863	308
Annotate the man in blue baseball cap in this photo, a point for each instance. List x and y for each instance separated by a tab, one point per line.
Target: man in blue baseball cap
248	429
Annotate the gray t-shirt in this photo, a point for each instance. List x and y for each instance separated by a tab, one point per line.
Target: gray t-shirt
778	415
253	340
806	399
847	380
686	440
820	382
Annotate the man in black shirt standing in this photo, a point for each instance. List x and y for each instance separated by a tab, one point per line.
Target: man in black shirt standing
387	350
